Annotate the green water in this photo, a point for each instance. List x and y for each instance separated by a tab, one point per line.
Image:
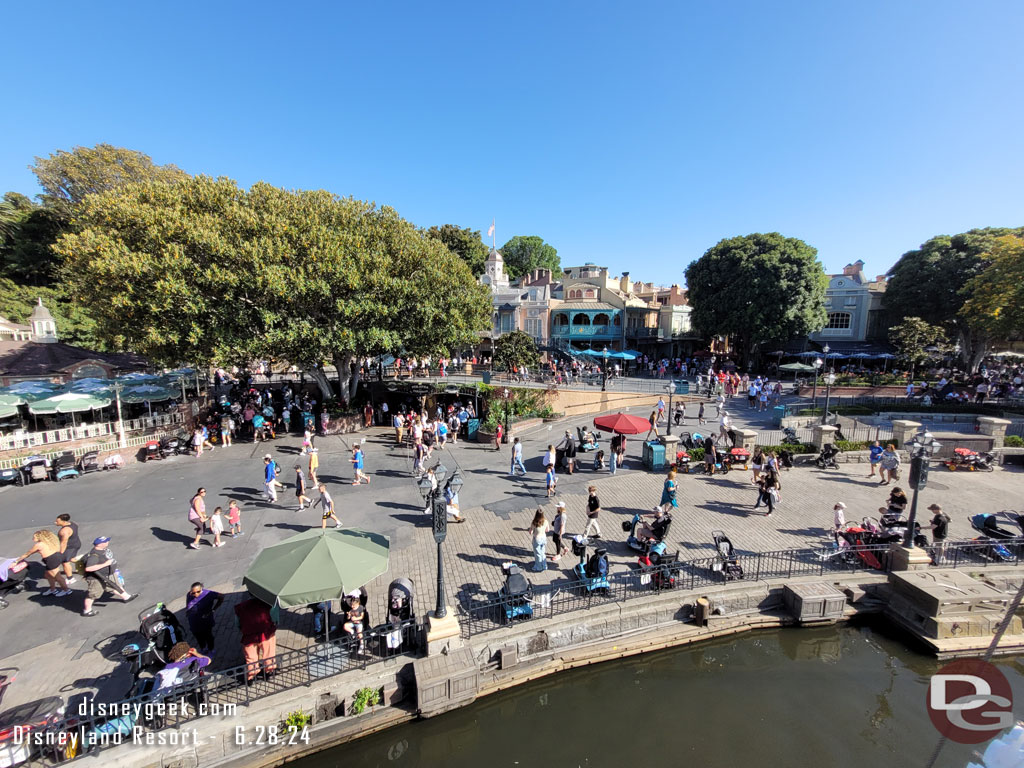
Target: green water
800	697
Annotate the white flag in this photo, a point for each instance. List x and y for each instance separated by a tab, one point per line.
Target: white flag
490	230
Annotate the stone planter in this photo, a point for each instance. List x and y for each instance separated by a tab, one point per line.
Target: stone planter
344	424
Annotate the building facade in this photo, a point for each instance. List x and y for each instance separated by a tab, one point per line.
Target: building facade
852	300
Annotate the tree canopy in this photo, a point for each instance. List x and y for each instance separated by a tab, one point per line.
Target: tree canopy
515	349
204	271
996	294
69	176
932	283
523	254
757	288
464	243
917	341
74	326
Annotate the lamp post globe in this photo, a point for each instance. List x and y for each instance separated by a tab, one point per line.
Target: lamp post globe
604	370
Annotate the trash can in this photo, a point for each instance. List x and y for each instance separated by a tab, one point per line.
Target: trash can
654	455
682	387
486	375
778	414
472	427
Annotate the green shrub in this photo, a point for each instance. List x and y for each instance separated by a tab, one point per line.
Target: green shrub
853	445
365	697
1014	441
802	448
297	720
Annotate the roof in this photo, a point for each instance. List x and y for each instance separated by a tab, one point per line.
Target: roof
30	358
8	324
39	312
494	255
595	305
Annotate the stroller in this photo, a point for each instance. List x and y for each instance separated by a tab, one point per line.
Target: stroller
789	436
659	570
686	441
726	563
516	594
90	462
592	574
113	461
827	458
682	461
736	457
400	613
786	459
160	630
987	525
853	542
15	581
65	466
18	724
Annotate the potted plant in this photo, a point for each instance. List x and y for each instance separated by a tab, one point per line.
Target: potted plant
363	698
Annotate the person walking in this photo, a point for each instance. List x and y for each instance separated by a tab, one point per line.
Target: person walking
661	409
890	465
197	516
757	463
101	575
259	638
593	511
314	465
653	421
327	508
700	415
398	422
517	458
46	544
668	492
498	434
357	466
765	495
613	454
270	482
217	526
724	427
539	535
300	489
680	414
200	604
710	455
558	532
940	530
234	519
550	481
838	519
875	457
70	544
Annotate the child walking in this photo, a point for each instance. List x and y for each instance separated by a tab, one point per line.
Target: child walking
700	415
300	489
327	503
234	518
217	527
550	478
357	464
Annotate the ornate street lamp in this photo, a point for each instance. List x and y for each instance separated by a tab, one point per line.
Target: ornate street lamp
507	395
922	446
604	370
671	387
433	496
830	379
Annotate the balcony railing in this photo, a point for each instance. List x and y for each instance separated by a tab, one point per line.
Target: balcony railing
643	333
610	331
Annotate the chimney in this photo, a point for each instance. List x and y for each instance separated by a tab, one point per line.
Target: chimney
880	279
624	284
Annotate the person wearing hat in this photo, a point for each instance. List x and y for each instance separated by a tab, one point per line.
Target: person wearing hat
838	518
99	575
270	480
940	529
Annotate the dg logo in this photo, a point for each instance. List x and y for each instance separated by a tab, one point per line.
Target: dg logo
970	701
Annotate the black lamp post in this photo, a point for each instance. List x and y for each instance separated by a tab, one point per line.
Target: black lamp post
922	446
671	387
433	495
604	371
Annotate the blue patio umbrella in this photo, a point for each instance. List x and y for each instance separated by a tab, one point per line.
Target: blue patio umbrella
809	353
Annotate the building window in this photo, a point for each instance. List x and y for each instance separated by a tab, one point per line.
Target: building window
590	294
601	319
838	320
561	321
581	319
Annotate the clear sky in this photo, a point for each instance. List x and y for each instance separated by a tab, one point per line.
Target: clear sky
634	135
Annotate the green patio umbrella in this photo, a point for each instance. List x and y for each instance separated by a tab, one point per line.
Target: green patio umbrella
9	400
796	367
317	565
152	393
8	410
68	402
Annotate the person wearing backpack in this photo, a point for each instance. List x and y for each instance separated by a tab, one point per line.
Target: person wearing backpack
940	529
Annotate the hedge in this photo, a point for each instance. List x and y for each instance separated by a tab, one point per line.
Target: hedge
1014	441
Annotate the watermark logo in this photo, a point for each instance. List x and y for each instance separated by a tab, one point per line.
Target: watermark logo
970	701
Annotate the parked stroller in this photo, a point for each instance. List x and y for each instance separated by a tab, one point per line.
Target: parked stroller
160	630
14	581
591	574
726	563
827	458
987	525
686	441
736	457
682	461
854	542
400	614
516	594
786	459
789	437
90	462
65	466
18	723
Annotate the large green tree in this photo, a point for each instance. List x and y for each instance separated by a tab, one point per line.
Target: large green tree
523	254
204	271
464	243
515	349
26	254
917	341
757	288
996	295
932	283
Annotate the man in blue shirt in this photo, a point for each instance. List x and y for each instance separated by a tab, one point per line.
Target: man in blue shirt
270	482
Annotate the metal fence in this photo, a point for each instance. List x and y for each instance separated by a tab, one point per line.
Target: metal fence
477	617
220	693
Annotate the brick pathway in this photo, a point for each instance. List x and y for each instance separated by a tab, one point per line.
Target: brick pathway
143	509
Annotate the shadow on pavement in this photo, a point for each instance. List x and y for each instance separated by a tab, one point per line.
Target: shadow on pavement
172	536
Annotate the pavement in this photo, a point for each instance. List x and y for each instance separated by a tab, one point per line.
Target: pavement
143	509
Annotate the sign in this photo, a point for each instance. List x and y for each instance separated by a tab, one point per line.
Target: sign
918	472
970	701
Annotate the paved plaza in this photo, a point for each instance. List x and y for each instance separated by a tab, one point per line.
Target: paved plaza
143	509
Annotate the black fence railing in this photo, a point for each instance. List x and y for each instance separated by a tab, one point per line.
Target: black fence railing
477	617
90	729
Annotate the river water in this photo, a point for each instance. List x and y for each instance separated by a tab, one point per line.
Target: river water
837	696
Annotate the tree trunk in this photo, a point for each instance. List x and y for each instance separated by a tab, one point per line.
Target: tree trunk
343	362
354	384
318	375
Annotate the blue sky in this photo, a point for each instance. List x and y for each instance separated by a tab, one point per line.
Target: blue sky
634	135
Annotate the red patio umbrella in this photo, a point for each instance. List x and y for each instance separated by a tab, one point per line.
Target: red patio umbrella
622	423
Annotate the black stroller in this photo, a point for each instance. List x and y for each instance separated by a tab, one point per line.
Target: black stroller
726	563
827	458
160	630
400	614
686	441
786	459
90	462
15	581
